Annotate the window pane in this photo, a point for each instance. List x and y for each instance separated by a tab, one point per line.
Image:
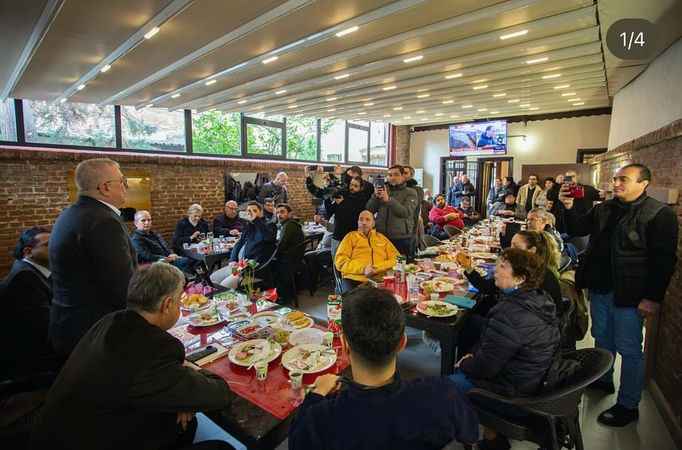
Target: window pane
69	123
357	145
8	124
262	140
216	132
332	139
378	143
364	123
302	138
153	129
261	115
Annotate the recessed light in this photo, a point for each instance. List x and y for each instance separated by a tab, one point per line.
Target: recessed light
361	113
387	115
105	68
281	91
62	100
467	106
175	95
537	60
368	104
574	99
568	94
482	109
454	116
347	31
482	80
548	77
424	96
483	86
241	102
210	82
447	102
516	100
421	111
341	77
513	35
439	114
150	34
413	58
525	105
500	95
562	86
270	59
579	104
149	105
292	106
549	69
398	108
494	112
454	75
331	110
390	88
330	99
407	117
534	108
81	87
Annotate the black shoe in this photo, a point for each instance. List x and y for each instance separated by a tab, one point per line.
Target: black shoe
499	443
618	416
604	386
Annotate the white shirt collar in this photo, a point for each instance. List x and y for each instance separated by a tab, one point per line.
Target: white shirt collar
115	209
44	270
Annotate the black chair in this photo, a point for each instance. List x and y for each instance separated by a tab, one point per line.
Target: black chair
552	420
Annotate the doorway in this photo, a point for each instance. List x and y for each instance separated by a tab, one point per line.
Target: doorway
489	169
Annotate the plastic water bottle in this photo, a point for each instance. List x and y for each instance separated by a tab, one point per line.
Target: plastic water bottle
412	288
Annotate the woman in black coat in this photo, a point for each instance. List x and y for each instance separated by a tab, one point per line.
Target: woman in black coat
189	229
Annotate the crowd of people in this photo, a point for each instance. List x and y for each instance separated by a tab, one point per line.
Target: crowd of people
97	300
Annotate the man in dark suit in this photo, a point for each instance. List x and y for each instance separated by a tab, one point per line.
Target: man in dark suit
150	247
126	384
91	256
25	296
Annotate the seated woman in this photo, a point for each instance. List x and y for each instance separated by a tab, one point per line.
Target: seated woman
189	229
519	341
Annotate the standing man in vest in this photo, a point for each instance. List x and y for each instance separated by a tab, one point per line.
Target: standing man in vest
627	267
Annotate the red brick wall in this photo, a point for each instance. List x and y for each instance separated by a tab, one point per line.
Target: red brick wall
33	187
661	151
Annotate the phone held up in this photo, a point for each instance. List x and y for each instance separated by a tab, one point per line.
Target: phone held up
379	182
574	190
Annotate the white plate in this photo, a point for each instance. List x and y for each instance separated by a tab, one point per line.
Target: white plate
306	336
266	318
285	325
274	351
206	305
292	359
423	308
196	320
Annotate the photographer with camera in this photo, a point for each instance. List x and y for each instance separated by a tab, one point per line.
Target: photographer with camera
626	268
323	184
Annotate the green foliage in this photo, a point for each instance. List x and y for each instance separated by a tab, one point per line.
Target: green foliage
216	133
302	138
70	124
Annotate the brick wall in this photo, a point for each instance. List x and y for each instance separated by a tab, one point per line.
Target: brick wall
33	187
661	151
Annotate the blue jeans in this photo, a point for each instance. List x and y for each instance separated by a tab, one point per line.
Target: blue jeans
461	380
619	330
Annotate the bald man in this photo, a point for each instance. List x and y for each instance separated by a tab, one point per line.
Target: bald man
229	223
276	190
364	253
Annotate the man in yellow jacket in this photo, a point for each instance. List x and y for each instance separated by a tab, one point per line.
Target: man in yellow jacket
364	253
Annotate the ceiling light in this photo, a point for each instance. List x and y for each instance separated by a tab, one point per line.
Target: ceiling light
454	75
150	34
281	91
149	105
407	117
424	96
567	94
554	75
368	104
467	106
341	77
175	95
534	108
331	99
390	88
499	95
494	112
480	87
525	105
551	68
105	68
513	35
270	59
347	31
447	102
421	111
210	82
579	104
562	86
331	110
439	114
516	100
62	100
397	108
292	106
537	60
81	87
413	58
387	115
362	113
241	102
482	80
482	109
574	99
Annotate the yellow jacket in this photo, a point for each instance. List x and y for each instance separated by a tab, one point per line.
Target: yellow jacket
357	251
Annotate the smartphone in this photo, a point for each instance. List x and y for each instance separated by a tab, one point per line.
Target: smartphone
312	168
568	179
328	169
379	182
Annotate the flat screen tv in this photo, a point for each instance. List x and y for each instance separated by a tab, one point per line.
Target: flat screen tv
478	138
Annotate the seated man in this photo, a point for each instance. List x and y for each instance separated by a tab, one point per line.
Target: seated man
229	223
25	296
447	220
364	253
269	213
469	214
151	247
289	250
377	409
125	384
257	242
507	209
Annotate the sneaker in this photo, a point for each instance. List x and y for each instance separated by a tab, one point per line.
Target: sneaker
603	386
618	416
499	443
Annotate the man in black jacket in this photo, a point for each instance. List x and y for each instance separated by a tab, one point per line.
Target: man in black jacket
25	296
125	384
91	256
150	247
275	189
627	267
229	223
289	251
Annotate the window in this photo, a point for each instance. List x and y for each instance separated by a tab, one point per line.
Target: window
332	140
358	143
216	132
69	124
153	129
263	137
302	138
8	124
378	143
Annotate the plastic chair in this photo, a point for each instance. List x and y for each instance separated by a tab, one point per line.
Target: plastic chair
552	421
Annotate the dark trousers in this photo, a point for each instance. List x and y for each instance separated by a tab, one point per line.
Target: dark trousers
348	285
186	437
404	247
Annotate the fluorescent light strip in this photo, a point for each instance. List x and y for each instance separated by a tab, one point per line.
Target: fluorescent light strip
413	59
389	88
447	102
341	77
494	112
81	87
331	110
454	116
480	87
270	59
482	109
516	100
210	82
574	99
567	94
562	86
534	108
503	94
424	96
151	33
398	108
281	91
105	68
482	80
467	106
579	104
175	95
525	105
361	113
439	114
387	115
513	35
548	77
347	31
537	60
454	75
62	100
421	111
241	102
368	104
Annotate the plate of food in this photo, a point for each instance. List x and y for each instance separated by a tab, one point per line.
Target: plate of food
439	284
437	309
194	302
246	353
295	320
445	257
229	299
266	318
250	331
483	255
308	358
205	318
306	336
280	336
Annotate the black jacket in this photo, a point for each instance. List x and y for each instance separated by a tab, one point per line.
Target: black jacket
290	242
347	212
634	243
517	345
258	240
150	247
273	191
92	260
184	231
122	387
25	296
222	225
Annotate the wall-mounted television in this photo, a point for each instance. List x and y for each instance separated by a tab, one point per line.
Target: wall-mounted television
478	138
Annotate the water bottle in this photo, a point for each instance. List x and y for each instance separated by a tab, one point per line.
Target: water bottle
412	288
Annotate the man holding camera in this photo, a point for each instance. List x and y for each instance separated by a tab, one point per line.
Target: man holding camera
627	266
394	205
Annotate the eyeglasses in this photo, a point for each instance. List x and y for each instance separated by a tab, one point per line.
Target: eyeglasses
122	180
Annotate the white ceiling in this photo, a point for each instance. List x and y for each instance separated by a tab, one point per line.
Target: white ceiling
408	61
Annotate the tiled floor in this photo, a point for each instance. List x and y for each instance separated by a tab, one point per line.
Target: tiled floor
649	433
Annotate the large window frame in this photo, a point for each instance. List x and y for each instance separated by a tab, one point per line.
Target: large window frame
245	121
